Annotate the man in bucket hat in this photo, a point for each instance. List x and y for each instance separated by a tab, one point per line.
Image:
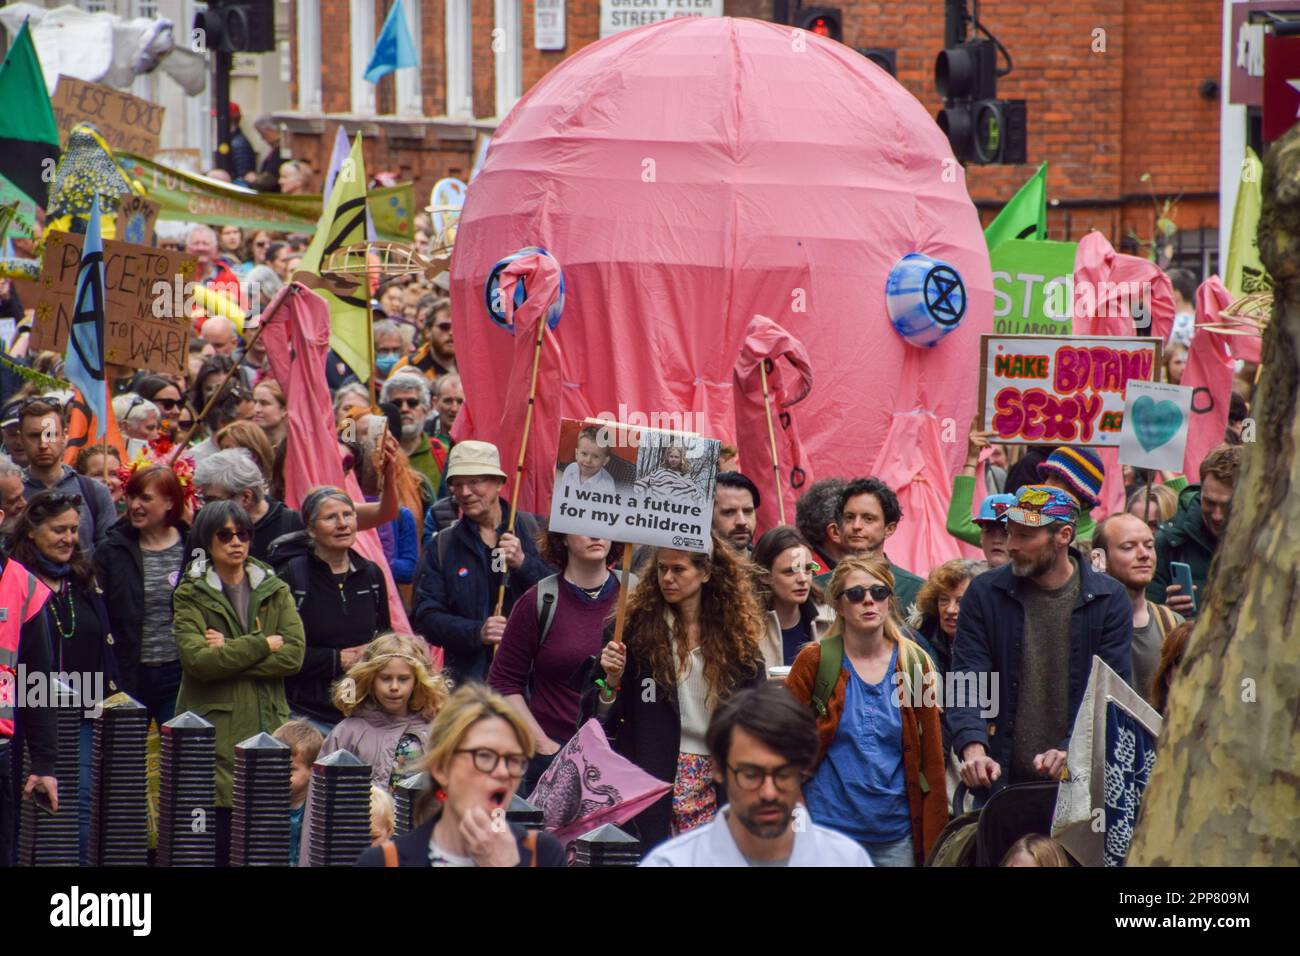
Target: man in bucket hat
464	565
1027	633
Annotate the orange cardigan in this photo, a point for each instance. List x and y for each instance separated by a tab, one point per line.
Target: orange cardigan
922	745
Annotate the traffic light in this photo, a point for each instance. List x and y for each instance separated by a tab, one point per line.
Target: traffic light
980	127
245	26
884	57
823	21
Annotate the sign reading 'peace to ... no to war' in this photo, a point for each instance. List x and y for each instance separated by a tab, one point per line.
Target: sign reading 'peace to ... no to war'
134	277
1060	390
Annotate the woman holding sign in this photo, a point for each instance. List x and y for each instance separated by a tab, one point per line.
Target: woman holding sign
692	639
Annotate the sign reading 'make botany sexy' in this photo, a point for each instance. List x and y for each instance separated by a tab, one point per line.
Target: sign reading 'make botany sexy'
1060	390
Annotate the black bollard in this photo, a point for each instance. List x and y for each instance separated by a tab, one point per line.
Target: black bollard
119	834
51	839
524	813
405	793
606	846
187	820
260	823
340	810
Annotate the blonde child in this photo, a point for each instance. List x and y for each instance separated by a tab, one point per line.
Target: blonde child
304	743
588	469
383	815
388	698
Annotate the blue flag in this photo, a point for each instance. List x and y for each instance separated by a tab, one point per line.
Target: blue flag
84	360
394	49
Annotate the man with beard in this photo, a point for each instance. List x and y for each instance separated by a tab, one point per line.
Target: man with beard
1026	638
437	356
410	393
1125	548
735	502
763	744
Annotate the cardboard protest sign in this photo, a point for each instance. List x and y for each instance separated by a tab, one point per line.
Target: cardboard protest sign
136	218
148	325
126	122
635	485
1156	417
1060	390
1033	287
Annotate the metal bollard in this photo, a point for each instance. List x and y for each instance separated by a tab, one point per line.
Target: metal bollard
187	793
260	824
405	793
605	846
340	810
119	833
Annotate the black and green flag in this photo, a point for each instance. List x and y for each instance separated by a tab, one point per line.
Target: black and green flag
29	140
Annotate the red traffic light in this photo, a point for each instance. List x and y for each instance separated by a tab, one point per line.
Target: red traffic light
824	21
820	26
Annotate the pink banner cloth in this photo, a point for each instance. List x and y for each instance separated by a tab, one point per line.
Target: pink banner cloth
912	463
297	340
681	210
588	785
1109	288
789	382
1209	370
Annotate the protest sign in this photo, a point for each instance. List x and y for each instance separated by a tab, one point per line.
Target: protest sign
1060	390
139	283
635	485
136	218
1154	434
126	122
22	220
1033	285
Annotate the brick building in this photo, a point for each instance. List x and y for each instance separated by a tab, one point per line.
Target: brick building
1123	98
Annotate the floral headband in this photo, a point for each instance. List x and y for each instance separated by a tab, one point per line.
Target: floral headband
156	452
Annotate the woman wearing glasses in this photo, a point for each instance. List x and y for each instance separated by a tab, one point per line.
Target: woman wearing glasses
795	612
45	542
692	639
478	751
880	774
341	596
239	636
166	395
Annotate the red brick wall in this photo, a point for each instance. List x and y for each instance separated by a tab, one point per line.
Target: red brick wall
483	22
335	57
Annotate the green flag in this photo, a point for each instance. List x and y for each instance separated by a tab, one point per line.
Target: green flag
1245	272
29	140
1025	217
342	224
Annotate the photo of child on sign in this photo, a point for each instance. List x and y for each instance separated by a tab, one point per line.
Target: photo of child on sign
634	485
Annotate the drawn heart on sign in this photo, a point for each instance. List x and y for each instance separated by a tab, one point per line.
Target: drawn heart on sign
1154	422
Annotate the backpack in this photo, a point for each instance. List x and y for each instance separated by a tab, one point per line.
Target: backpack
287	556
1164	618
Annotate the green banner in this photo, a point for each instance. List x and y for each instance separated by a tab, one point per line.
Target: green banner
184	196
1033	287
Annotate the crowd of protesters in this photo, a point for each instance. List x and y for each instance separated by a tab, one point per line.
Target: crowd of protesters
757	681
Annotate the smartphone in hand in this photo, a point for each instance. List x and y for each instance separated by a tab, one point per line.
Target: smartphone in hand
1181	572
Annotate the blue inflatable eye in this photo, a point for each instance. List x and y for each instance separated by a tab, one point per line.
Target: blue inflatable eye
926	299
491	296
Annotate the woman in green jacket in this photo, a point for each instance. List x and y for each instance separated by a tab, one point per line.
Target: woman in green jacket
239	637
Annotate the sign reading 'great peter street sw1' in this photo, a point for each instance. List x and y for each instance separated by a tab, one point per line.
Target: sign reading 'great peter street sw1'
619	15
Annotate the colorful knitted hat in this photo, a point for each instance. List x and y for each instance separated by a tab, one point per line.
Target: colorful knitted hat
1080	468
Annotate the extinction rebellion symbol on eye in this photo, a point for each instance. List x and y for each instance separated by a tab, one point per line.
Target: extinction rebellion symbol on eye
945	296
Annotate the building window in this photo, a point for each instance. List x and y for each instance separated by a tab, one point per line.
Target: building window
507	46
309	96
409	95
460	60
363	44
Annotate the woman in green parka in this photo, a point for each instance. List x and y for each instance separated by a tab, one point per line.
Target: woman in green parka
239	637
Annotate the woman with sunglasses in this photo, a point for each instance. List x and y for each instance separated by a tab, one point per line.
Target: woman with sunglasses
138	566
795	612
478	751
45	542
239	636
692	639
881	770
165	394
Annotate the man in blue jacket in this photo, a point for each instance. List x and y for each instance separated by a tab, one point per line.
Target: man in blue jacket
1028	631
466	562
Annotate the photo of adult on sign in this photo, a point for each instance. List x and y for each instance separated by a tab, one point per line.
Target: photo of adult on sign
635	485
1061	390
126	122
147	324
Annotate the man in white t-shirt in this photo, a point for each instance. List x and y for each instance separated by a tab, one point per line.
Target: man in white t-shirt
763	744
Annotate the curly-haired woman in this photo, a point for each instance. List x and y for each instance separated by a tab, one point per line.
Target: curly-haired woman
692	639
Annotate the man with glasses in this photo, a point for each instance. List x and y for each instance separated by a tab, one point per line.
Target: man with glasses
437	356
410	393
1124	547
763	744
1028	632
466	563
45	441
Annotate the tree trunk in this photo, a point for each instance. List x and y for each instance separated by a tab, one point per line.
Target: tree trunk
1226	786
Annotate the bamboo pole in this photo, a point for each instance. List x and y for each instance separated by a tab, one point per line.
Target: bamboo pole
771	438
